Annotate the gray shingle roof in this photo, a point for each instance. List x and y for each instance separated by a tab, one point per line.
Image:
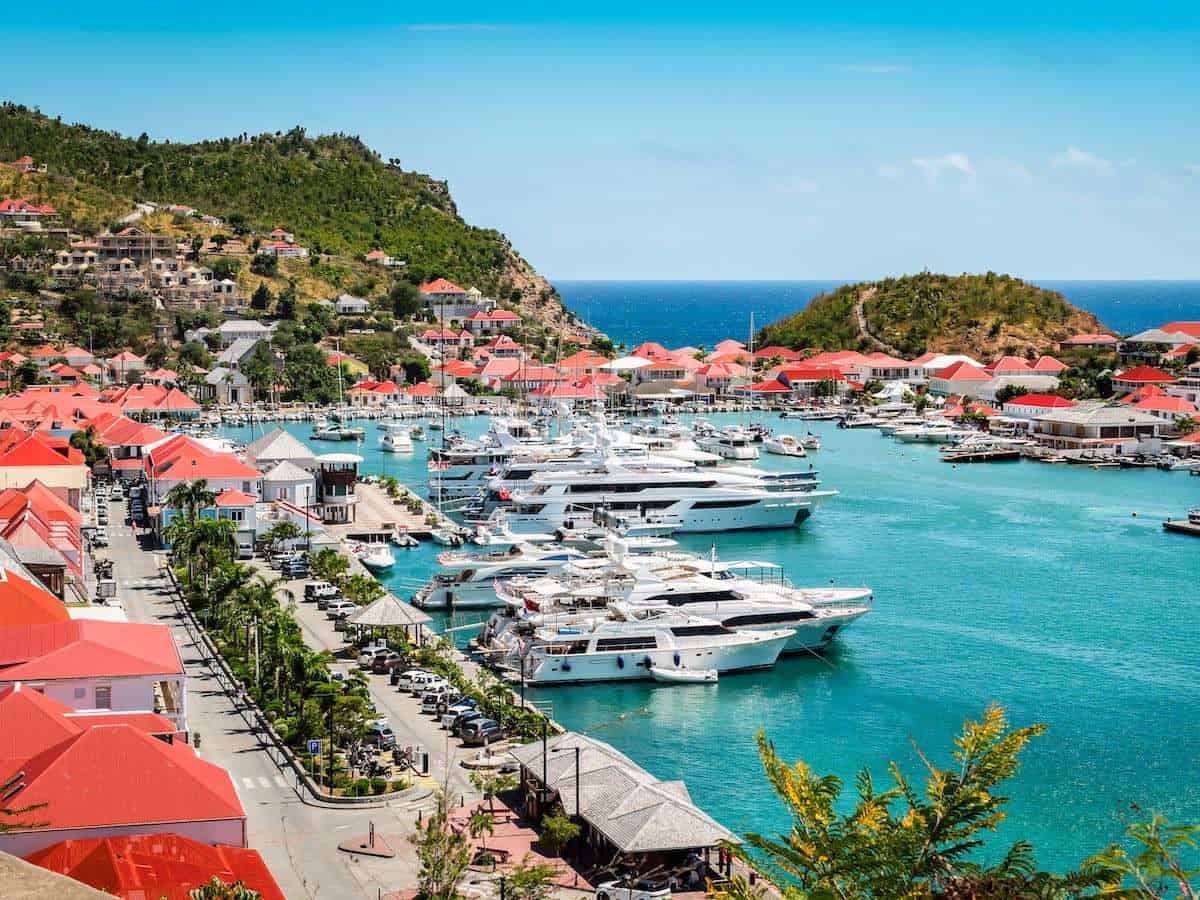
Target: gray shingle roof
635	811
279	445
388	612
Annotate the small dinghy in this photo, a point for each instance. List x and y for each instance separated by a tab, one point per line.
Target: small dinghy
683	676
447	538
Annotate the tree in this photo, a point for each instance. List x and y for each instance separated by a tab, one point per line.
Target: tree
1186	424
558	831
362	589
90	446
492	783
1157	866
156	356
443	853
281	531
404	300
907	842
1010	392
189	497
481	824
196	354
262	297
531	881
328	565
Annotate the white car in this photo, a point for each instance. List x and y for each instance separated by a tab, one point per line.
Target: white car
642	889
424	682
406	678
339	609
369	652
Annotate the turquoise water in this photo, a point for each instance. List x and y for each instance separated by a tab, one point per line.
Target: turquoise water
1030	585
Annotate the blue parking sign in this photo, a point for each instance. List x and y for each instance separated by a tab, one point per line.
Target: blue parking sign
314	747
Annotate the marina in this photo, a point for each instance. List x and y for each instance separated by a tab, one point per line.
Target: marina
1095	581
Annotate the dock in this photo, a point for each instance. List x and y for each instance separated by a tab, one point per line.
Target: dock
377	517
1190	525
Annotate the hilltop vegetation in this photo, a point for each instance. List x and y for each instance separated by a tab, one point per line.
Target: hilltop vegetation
337	195
978	314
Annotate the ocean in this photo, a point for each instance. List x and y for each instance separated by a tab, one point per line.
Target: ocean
701	313
1051	590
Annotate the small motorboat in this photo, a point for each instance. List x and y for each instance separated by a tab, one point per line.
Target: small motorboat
417	433
435	426
683	676
811	442
377	557
396	440
784	445
447	537
405	540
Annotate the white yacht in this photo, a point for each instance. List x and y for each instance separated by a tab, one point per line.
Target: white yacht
930	433
784	445
469	580
628	644
395	439
815	615
702	501
732	443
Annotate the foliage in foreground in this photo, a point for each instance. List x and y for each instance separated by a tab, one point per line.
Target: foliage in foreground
905	842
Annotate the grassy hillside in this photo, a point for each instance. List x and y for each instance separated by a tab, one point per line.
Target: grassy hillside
337	195
977	314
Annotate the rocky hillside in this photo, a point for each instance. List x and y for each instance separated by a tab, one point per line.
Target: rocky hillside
334	193
982	315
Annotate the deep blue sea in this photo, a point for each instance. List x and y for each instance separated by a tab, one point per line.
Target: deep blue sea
1052	590
695	313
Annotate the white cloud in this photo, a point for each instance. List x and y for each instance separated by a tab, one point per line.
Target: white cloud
933	166
876	68
1074	158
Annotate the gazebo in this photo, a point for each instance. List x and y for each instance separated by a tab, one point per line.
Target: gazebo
389	611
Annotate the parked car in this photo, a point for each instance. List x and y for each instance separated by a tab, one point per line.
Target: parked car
481	732
641	889
435	697
339	609
456	709
116	493
380	734
405	679
323	600
314	589
367	655
464	720
100	537
294	570
423	682
386	663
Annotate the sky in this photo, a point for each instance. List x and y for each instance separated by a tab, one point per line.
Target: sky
698	140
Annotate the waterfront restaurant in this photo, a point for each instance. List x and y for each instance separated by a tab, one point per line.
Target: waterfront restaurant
1099	428
630	820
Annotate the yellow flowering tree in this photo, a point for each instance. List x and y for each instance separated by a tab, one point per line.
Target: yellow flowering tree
903	842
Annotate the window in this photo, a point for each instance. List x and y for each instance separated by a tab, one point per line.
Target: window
237	515
80	693
627	643
103	696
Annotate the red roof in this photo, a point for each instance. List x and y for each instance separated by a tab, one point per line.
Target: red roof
376	254
884	361
31	722
85	648
769	387
153	866
440	286
24	206
424	389
23	602
1048	365
794	374
1143	375
230	497
22	448
649	350
1008	365
1166	404
115	775
1192	328
962	371
502	342
729	344
577	390
1047	401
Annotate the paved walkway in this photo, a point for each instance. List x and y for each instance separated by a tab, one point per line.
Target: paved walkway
298	842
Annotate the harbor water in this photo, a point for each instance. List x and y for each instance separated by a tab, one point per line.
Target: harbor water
1051	590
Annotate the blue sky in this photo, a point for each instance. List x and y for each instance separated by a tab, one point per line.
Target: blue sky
699	140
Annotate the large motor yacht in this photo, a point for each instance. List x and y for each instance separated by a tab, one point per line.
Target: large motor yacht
627	644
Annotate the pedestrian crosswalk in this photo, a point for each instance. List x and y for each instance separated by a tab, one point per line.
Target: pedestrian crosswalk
262	782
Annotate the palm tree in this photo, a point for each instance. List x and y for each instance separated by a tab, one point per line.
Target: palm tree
481	824
492	783
283	530
216	889
191	497
329	565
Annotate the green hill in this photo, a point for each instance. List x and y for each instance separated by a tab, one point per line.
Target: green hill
982	315
337	195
